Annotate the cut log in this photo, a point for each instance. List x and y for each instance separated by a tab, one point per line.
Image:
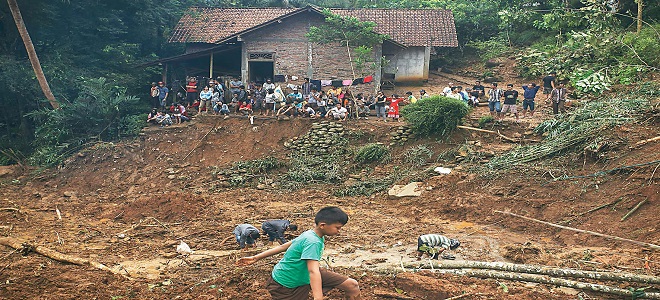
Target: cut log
550	280
652	246
542	270
25	247
644	142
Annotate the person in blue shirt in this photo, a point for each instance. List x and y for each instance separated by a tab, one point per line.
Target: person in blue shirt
295	96
163	92
299	270
529	95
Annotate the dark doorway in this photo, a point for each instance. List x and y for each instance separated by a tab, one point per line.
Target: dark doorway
260	71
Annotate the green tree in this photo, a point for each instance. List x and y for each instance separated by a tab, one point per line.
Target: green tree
347	31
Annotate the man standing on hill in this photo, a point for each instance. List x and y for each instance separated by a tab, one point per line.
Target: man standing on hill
163	92
191	90
549	84
558	96
528	101
510	99
494	96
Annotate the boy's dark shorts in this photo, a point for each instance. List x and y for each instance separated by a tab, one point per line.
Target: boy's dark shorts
277	291
547	90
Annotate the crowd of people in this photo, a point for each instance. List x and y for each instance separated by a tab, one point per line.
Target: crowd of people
338	103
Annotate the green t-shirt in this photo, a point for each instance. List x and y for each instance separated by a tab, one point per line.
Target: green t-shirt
291	270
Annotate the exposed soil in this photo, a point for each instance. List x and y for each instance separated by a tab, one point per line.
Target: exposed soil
127	204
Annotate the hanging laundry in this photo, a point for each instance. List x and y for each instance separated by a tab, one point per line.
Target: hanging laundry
326	82
316	84
337	83
279	78
368	79
347	82
357	81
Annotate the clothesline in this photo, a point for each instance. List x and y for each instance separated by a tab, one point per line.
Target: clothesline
335	82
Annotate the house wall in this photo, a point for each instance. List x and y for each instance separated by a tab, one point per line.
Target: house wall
409	64
296	56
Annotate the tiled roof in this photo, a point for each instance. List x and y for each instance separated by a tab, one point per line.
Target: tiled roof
410	27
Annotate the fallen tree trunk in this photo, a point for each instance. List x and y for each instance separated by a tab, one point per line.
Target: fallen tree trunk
543	270
551	280
652	246
25	247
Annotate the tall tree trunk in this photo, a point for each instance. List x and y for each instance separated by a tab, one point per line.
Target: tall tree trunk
32	54
640	7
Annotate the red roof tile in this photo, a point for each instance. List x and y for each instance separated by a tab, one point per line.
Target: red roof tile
410	27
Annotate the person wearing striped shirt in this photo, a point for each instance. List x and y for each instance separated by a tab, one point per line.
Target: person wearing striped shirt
435	244
494	96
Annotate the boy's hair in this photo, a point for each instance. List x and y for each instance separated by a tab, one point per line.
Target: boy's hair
293	227
331	215
510	85
494	83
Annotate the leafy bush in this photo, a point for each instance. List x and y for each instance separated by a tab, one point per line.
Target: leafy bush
307	169
491	48
435	115
97	114
485	120
374	152
417	156
587	82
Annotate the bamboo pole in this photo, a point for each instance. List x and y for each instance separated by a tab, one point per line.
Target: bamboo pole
652	246
553	281
633	210
489	131
541	270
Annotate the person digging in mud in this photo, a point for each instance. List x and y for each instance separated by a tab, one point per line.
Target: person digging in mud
246	236
435	245
275	230
299	270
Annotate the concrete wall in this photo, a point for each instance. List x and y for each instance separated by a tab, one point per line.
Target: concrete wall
409	64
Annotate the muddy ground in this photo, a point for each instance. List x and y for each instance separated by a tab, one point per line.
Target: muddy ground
127	204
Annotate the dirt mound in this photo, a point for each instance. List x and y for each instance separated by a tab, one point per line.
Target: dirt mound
168	207
166	174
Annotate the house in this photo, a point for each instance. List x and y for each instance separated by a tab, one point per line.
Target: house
258	43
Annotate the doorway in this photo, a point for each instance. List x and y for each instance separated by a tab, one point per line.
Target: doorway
259	71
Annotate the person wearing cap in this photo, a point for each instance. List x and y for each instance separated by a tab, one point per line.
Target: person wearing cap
411	98
434	245
163	92
423	94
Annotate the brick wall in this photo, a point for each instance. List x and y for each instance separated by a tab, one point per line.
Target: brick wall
292	51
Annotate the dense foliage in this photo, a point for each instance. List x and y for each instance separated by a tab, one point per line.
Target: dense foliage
435	115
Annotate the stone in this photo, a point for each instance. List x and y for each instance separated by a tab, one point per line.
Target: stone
171	177
408	190
69	194
261	186
442	170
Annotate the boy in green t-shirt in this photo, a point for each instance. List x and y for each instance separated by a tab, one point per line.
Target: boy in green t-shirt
299	270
